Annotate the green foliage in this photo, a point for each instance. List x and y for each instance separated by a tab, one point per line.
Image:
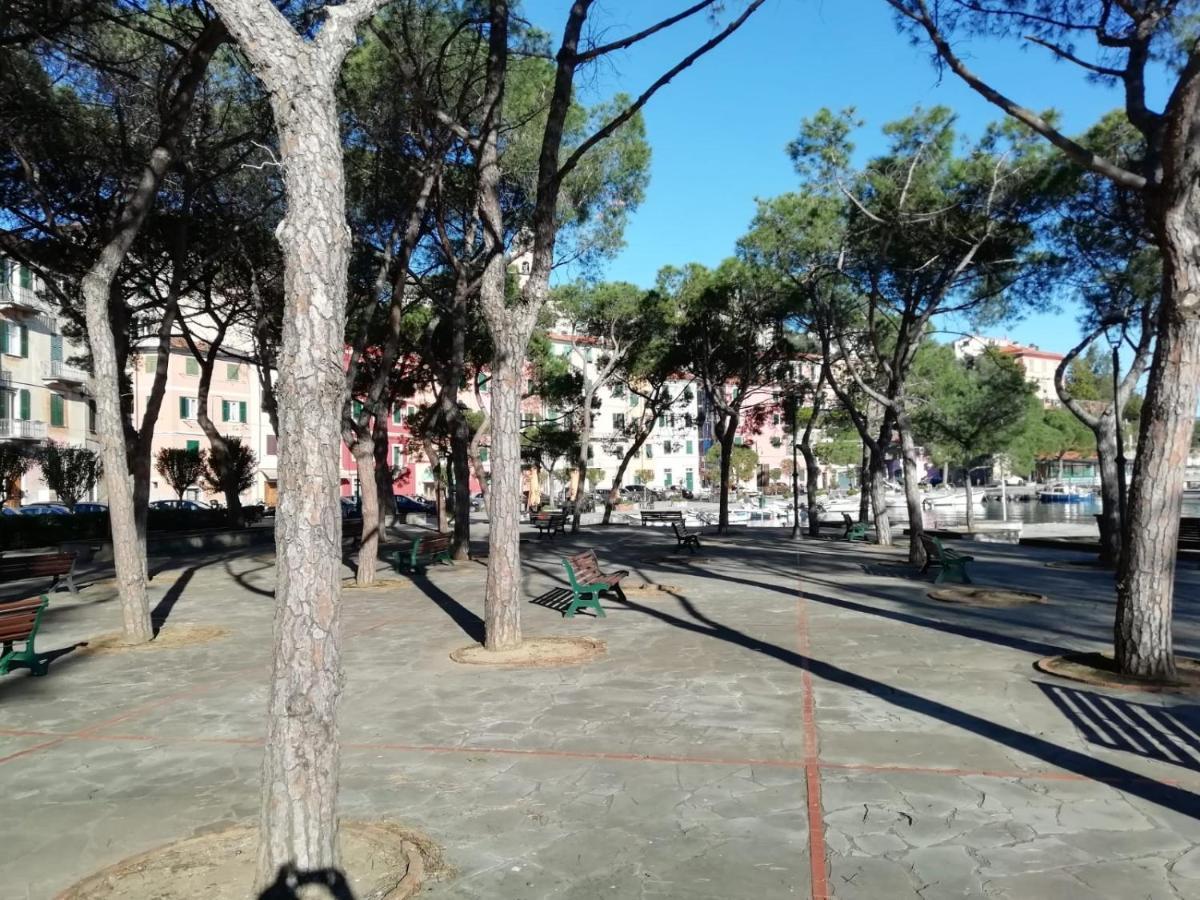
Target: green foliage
743	462
972	408
544	445
15	461
1049	434
71	472
839	443
232	472
180	468
594	477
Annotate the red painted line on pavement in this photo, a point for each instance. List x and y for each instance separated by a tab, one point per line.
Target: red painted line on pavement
812	761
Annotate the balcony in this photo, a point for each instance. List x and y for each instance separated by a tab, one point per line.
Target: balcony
14	298
58	372
22	430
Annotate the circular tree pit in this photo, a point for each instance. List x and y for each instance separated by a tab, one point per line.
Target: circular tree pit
534	653
967	595
381	860
1100	670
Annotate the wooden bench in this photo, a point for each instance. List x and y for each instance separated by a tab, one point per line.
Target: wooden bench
40	565
666	517
18	625
549	524
588	582
685	538
948	562
855	531
1189	533
423	552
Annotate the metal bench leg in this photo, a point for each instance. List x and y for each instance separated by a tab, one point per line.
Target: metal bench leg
581	599
71	582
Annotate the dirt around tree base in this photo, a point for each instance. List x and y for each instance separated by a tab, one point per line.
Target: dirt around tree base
381	860
1080	565
534	653
649	589
967	595
1100	670
171	637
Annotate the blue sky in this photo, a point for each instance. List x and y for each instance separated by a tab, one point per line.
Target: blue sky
718	131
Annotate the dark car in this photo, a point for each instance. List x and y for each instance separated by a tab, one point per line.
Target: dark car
184	505
45	509
351	508
89	507
406	504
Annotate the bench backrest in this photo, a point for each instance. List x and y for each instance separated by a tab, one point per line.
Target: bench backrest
1189	528
437	543
933	547
680	529
582	568
548	517
37	565
663	516
20	619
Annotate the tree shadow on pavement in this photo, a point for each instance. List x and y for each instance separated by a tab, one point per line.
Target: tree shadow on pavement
468	621
162	610
1166	795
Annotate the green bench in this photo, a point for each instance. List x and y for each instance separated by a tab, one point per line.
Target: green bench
588	582
947	562
855	531
18	625
423	552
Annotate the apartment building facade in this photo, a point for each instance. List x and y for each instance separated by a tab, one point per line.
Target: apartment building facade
1039	365
43	395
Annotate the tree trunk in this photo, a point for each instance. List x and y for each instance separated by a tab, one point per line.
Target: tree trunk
585	437
460	461
614	493
129	556
1146	576
726	436
864	486
502	606
383	481
878	475
795	484
912	496
812	483
1110	501
970	499
141	504
368	544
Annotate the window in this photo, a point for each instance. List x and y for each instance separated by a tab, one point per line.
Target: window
662	421
666	477
591	454
483	454
618	421
356	408
192	447
775	419
666	446
776	441
687	420
618	390
482	381
91	416
191	366
272	445
26	276
397	414
649	452
149	363
233	372
56	348
233	411
58	415
14	339
397	456
188	407
689	448
737	440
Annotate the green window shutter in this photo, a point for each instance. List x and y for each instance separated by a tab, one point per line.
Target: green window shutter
5	403
483	454
233	372
26	277
4	337
183	407
92	416
224	410
193	446
397	415
191	366
356	408
56	348
689	447
25	404
24	342
242	412
57	413
397	456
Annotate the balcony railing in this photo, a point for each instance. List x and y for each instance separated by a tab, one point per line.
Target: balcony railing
22	429
21	299
57	370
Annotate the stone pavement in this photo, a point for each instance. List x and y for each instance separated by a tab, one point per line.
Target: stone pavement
782	721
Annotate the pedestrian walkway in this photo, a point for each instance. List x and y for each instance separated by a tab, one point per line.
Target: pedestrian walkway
773	720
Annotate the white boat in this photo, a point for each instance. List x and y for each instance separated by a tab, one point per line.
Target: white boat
954	499
1063	493
737	516
894	500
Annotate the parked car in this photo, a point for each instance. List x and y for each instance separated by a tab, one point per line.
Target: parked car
184	505
406	504
639	493
89	507
45	509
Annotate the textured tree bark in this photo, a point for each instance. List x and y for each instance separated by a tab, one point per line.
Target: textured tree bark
502	608
1110	501
812	484
1146	576
368	545
460	462
383	481
129	554
585	438
970	499
912	496
300	765
727	435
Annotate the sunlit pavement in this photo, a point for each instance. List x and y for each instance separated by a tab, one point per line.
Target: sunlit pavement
779	720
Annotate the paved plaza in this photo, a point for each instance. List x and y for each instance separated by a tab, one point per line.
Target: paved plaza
779	720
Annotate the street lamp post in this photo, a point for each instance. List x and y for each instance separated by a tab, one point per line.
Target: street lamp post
1115	334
